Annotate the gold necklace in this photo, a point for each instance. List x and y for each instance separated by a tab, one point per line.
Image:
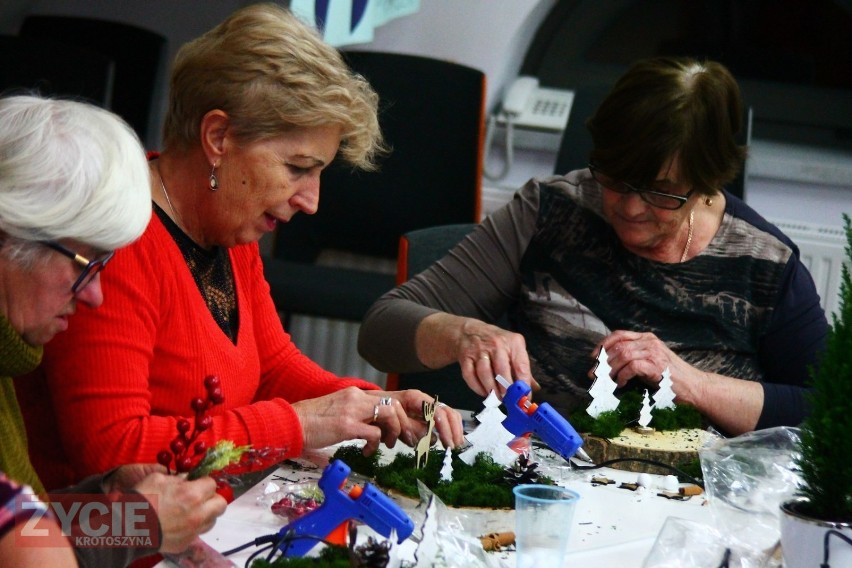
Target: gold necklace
688	235
177	218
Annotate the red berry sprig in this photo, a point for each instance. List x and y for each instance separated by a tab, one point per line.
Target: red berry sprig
185	451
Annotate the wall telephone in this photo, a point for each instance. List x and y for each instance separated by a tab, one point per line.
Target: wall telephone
527	105
531	106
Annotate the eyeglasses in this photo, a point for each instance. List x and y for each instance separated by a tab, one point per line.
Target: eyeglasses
90	267
652	197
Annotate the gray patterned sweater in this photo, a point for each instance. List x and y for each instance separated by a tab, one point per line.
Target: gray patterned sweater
744	307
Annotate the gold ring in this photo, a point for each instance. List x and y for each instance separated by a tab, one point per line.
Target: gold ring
375	414
485	357
385	401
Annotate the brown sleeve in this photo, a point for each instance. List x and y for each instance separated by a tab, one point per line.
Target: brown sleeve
479	278
116	557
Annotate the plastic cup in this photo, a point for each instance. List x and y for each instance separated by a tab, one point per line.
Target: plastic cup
543	517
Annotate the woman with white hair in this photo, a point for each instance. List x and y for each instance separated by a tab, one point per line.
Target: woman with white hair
73	188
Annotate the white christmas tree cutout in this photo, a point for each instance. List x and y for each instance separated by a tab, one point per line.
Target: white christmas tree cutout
603	389
447	467
645	412
490	436
603	396
664	397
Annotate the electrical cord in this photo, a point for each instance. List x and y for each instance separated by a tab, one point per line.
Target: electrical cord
671	468
266	539
508	149
274	543
825	546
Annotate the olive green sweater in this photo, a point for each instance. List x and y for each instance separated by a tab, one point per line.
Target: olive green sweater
16	358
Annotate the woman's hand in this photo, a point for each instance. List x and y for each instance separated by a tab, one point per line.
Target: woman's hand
482	350
374	416
184	508
731	404
632	354
448	422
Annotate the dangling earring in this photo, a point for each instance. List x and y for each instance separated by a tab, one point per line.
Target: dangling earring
214	181
708	201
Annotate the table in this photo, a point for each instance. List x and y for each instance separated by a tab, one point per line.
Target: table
612	526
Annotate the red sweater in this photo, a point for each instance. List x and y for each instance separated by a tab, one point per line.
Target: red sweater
111	388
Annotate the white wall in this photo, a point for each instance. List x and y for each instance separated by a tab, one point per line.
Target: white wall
490	35
785	182
799	184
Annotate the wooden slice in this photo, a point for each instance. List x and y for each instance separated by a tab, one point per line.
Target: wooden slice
675	448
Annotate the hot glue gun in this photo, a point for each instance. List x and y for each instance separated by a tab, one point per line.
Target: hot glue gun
366	504
525	416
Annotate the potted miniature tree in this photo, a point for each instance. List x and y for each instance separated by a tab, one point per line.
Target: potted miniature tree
818	522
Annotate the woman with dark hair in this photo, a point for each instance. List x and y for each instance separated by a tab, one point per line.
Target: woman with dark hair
643	253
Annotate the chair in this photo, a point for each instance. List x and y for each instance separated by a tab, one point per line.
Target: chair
576	144
418	250
432	115
51	68
139	57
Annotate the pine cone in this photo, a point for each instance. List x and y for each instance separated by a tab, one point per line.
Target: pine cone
373	554
521	472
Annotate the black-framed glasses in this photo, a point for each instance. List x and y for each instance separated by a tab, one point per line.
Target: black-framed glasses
652	197
90	267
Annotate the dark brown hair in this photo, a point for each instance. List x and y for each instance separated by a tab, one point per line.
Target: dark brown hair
664	107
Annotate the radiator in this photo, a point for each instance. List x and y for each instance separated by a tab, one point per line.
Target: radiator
334	343
822	250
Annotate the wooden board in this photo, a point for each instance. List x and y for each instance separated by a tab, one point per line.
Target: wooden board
675	447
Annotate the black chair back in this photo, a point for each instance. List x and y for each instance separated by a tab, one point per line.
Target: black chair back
417	251
139	57
432	115
51	68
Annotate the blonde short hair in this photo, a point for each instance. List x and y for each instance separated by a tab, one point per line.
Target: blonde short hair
270	73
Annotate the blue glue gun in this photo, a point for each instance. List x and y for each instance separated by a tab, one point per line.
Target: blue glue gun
525	416
366	504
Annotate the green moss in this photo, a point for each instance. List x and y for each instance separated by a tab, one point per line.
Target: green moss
609	424
693	468
681	416
355	459
630	406
479	485
329	557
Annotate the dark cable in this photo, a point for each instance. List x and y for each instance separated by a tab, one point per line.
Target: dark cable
275	543
645	461
257	553
825	548
256	542
726	559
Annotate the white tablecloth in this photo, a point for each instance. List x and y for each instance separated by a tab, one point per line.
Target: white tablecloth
612	526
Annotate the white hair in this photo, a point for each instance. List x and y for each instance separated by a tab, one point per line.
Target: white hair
70	170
